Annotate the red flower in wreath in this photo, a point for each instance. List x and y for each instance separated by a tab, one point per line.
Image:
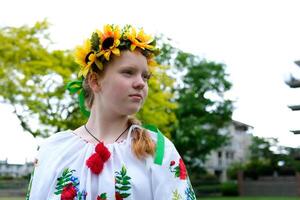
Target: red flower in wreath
182	170
96	161
69	192
118	196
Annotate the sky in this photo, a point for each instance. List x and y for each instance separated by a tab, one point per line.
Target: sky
257	40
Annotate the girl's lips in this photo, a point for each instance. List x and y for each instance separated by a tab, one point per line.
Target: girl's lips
136	96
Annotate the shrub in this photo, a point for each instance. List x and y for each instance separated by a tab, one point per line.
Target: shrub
229	189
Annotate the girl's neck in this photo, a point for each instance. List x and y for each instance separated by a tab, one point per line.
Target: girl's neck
107	128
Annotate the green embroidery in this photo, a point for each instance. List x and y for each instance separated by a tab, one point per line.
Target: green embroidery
102	196
65	179
176	195
122	184
175	170
81	195
29	187
189	192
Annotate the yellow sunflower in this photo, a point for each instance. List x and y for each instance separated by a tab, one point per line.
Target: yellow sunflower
151	62
110	40
140	40
85	58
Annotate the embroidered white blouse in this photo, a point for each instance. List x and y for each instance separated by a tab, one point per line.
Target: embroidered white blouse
62	173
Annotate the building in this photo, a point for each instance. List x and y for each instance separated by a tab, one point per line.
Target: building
237	150
294	83
15	170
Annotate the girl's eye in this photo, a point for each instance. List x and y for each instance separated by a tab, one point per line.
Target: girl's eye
128	72
147	76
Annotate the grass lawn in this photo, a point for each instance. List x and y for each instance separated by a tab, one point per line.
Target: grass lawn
251	198
12	198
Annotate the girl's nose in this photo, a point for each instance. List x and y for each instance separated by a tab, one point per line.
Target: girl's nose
139	83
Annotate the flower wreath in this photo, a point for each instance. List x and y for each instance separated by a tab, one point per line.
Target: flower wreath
97	51
112	40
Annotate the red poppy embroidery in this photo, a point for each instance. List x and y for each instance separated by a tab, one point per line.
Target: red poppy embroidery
118	196
182	170
97	160
69	192
172	163
179	170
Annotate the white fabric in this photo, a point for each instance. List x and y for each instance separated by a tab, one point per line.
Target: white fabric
67	150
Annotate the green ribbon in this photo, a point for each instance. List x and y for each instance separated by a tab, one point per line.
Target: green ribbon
74	87
160	144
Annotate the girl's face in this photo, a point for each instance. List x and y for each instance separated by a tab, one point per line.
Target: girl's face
124	87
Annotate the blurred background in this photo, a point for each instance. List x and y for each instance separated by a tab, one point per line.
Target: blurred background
228	86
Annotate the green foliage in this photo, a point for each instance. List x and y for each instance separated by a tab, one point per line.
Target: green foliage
6	177
233	170
261	148
287	163
203	112
265	162
229	189
208	190
35	78
206	184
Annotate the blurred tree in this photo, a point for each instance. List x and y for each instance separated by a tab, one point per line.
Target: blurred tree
34	79
267	158
261	148
203	113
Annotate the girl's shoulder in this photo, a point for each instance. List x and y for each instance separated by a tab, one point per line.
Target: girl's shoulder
59	142
57	138
164	146
155	137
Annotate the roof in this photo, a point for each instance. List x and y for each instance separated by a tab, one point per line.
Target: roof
240	124
295	131
294	107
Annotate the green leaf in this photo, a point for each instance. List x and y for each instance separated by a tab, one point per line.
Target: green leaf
103	196
124	182
95	41
126	178
122	188
123	171
125	195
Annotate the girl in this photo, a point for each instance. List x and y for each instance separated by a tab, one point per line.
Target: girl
111	156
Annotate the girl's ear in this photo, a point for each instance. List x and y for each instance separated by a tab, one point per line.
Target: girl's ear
94	82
